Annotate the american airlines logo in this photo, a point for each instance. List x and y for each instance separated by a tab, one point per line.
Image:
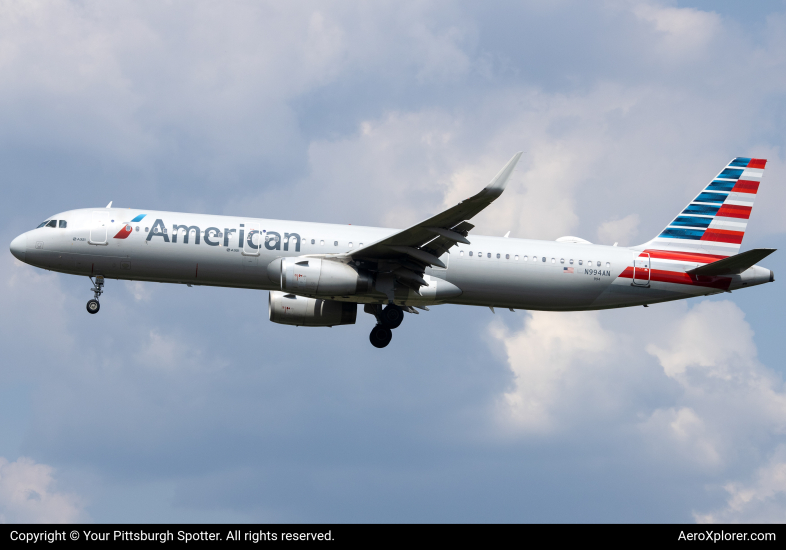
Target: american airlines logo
124	232
212	236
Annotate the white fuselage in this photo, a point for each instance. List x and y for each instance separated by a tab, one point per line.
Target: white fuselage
491	271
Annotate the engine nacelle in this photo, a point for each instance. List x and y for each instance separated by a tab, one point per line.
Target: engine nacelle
289	309
317	276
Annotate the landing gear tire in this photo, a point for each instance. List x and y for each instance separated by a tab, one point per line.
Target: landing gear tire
93	306
391	316
380	336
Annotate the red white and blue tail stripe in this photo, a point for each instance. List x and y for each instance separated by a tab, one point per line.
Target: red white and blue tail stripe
715	221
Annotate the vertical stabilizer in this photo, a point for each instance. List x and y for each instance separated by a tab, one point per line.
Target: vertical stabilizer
714	222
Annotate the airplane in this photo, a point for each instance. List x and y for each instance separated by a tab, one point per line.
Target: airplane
317	274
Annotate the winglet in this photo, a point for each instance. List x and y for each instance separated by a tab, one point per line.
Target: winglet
497	185
109	205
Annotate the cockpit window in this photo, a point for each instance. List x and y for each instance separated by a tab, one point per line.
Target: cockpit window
63	224
52	223
42	224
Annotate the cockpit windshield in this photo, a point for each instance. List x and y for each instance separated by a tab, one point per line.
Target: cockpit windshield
53	223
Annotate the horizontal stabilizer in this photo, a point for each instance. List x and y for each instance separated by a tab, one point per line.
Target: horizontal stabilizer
733	265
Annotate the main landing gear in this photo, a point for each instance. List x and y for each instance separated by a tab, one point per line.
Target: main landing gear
98	288
387	319
380	336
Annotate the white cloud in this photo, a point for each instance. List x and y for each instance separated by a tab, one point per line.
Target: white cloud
28	495
714	407
623	231
735	401
141	291
681	430
713	337
553	358
762	501
685	32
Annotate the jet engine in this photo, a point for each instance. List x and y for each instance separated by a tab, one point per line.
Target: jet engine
289	309
306	275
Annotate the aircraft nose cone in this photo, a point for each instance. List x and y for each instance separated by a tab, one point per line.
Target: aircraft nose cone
18	247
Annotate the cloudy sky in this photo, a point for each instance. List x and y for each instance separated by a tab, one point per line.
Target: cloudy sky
187	404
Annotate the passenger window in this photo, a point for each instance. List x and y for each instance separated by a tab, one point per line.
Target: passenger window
335	243
507	256
312	241
350	244
137	228
53	223
544	259
562	260
360	244
589	263
461	253
321	243
63	224
598	264
553	261
480	254
608	264
470	253
571	261
147	229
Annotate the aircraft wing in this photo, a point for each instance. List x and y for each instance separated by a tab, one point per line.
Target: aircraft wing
408	252
426	241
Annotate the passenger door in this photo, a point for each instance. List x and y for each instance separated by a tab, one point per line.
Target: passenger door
641	270
98	228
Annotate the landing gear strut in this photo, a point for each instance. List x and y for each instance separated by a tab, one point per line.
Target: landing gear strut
98	288
387	319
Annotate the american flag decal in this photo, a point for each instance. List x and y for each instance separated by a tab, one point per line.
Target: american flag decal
567	270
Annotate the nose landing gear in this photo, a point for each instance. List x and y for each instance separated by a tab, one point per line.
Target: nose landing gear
98	288
387	319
